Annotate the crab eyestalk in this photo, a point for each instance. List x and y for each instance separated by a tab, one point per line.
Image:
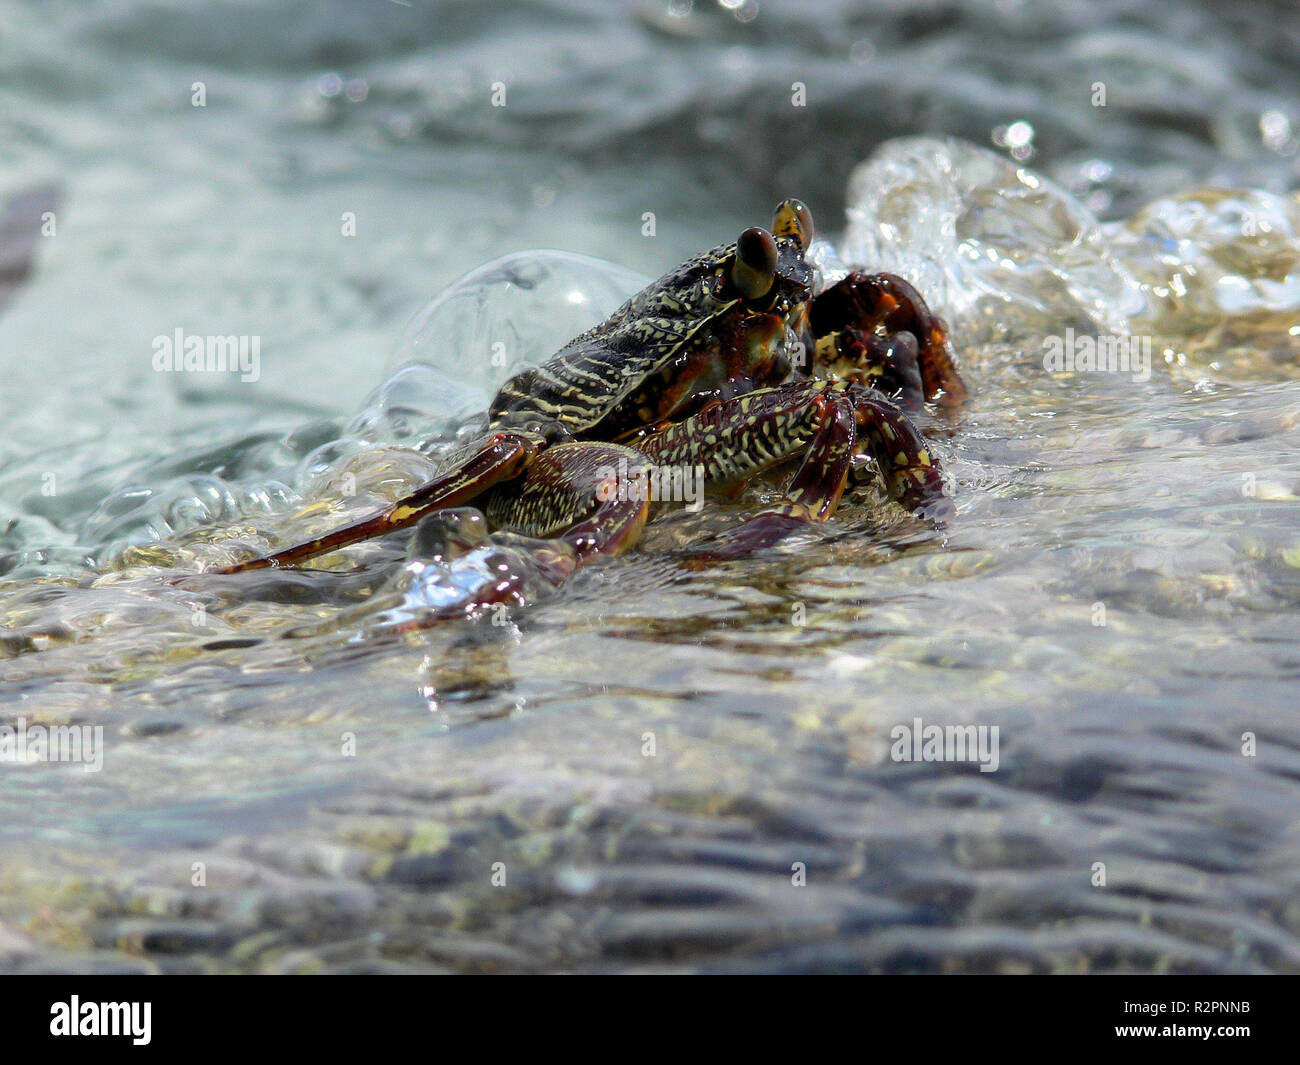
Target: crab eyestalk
793	219
755	269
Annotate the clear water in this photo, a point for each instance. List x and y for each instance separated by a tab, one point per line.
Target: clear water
1119	594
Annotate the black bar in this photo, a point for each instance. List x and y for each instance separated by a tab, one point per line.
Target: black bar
885	1014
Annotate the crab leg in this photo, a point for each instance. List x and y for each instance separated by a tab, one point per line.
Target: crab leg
913	357
585	497
829	423
504	456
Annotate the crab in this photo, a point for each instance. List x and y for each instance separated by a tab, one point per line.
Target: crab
733	362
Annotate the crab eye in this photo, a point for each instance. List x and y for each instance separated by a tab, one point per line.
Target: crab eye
793	219
755	267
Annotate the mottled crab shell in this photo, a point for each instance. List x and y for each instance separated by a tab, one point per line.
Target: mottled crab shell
637	345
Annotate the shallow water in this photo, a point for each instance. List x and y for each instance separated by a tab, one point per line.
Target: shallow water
635	771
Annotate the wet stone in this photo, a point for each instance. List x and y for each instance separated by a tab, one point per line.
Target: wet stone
140	936
147	729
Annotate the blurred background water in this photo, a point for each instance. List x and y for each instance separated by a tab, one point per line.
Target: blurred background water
480	797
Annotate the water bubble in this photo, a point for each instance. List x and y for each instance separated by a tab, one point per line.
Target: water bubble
1017	138
1001	250
512	313
1275	132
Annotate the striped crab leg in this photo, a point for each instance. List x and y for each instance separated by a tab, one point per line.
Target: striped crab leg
573	492
502	457
830	423
565	511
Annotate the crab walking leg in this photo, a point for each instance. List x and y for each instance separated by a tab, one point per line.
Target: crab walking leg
592	496
832	421
829	422
503	457
862	303
567	509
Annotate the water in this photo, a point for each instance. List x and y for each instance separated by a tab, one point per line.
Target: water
636	772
